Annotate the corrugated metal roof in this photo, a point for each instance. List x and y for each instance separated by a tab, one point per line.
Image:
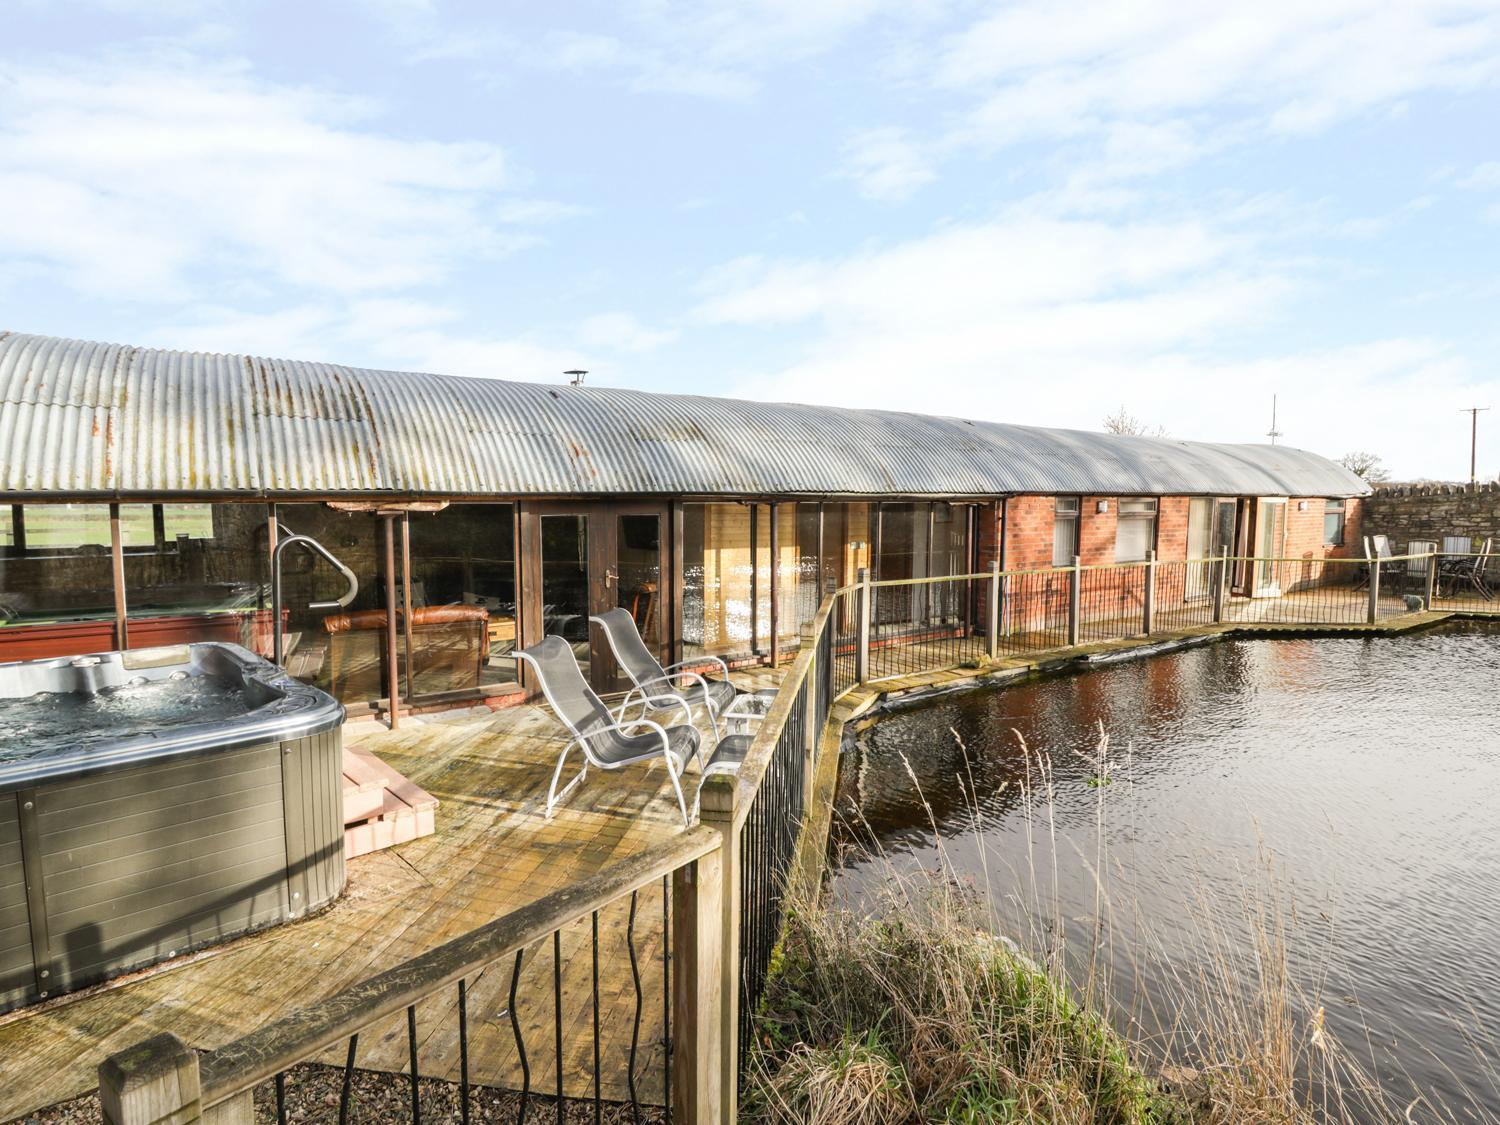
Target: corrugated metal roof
78	417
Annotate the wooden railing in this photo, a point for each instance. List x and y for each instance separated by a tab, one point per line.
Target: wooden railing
725	877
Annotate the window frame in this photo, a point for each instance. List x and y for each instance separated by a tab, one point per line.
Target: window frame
1064	515
1125	515
1332	506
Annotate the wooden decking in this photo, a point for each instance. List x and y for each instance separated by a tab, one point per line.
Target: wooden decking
493	851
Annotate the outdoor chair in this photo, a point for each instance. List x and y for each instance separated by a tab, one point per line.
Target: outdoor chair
1466	569
656	686
604	741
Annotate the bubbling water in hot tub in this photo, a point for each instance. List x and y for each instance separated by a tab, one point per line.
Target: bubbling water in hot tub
33	724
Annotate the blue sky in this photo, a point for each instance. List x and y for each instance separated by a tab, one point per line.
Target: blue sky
1033	212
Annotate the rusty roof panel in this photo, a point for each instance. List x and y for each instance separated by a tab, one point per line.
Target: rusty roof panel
86	418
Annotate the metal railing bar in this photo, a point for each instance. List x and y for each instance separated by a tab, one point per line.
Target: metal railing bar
347	1086
250	1060
463	1053
515	1030
557	1020
635	1028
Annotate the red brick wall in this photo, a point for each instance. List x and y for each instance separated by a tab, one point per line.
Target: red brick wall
1028	539
1172	528
1354	513
1096	531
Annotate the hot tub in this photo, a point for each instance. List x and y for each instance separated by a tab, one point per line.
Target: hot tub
154	802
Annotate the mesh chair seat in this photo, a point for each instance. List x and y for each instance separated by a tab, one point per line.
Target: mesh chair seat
604	740
717	694
652	681
683	742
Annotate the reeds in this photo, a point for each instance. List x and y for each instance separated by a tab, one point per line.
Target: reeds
911	1008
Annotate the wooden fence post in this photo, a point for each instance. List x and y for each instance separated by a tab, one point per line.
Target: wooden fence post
717	810
1374	611
698	974
992	624
1221	584
862	651
1431	587
1148	609
156	1082
1075	599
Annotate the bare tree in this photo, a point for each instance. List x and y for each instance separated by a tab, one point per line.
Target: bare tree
1123	422
1366	466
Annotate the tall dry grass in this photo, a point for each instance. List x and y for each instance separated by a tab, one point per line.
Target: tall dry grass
910	1008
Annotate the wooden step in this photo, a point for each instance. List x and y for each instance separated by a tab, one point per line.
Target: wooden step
393	809
362	799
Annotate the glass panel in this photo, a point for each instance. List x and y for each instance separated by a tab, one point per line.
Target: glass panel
1133	537
1333	523
211	585
949	555
789	621
342	651
1064	539
716	579
808	594
463	594
190	521
638	550
57	591
1270	522
903	553
1199	536
565	582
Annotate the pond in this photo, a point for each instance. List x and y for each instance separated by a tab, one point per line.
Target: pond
1349	788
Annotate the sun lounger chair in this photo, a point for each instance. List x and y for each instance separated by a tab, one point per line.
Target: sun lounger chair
604	741
656	686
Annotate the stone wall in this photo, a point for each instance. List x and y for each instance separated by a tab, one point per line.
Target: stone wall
1430	512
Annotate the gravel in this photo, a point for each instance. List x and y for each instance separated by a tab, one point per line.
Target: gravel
312	1095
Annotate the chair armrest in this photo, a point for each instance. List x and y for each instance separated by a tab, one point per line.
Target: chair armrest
699	660
640	695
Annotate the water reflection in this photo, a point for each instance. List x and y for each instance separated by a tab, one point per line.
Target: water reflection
1347	782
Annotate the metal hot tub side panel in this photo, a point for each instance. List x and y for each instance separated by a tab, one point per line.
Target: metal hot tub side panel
105	870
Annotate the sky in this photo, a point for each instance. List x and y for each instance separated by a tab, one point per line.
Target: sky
1035	212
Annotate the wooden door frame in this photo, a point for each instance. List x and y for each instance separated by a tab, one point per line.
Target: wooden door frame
602	561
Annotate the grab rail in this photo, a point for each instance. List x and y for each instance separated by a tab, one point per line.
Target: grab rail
311	544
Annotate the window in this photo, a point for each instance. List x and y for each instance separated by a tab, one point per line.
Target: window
1333	523
1135	533
56	570
1065	531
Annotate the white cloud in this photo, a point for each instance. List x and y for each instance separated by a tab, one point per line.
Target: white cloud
621	332
137	175
411	334
1486	177
1050	321
1155	84
886	164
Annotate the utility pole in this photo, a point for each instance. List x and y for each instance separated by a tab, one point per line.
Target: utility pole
1273	433
1473	412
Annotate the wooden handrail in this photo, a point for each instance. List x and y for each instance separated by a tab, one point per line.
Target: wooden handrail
244	1063
747	778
